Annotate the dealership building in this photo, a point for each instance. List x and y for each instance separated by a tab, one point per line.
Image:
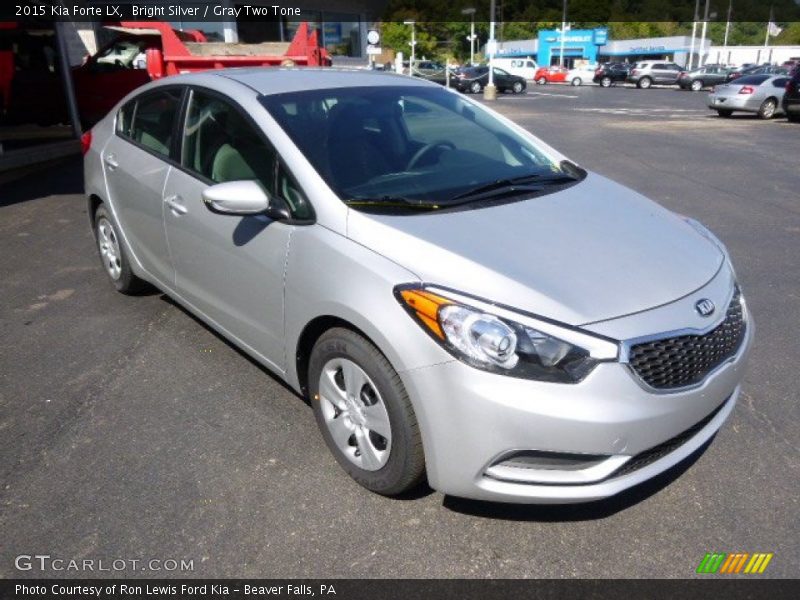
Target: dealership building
593	45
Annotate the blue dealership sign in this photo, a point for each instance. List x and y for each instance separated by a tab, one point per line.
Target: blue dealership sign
600	37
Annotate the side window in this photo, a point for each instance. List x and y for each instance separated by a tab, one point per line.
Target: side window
290	192
221	145
529	64
659	66
125	118
779	83
154	119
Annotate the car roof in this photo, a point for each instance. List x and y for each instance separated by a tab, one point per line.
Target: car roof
272	80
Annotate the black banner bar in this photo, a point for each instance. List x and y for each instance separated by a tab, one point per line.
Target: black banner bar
730	588
583	12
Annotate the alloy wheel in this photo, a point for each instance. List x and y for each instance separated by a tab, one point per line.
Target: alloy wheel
355	414
108	244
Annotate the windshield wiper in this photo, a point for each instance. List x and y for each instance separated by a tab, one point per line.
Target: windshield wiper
390	202
506	186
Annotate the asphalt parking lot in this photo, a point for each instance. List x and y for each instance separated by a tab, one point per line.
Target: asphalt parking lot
130	430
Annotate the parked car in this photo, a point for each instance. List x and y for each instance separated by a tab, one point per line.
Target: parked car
525	67
404	258
707	76
474	79
791	98
760	94
550	74
580	75
610	73
758	70
645	74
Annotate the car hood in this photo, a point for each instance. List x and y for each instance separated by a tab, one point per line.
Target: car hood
591	252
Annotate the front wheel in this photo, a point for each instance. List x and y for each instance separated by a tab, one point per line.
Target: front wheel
517	87
541	80
364	413
644	83
605	82
475	87
576	82
113	254
724	113
767	109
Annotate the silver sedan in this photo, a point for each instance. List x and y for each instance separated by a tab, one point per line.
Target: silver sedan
456	299
759	94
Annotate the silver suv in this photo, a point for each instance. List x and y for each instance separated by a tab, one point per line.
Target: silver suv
645	74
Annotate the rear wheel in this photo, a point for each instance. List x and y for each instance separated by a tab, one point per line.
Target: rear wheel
767	109
696	85
113	255
644	83
576	81
605	82
364	413
475	87
724	113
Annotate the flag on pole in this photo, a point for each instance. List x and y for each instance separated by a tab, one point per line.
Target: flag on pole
772	28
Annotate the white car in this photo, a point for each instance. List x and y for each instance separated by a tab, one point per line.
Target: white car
580	75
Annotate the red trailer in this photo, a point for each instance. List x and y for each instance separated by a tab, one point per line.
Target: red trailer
141	52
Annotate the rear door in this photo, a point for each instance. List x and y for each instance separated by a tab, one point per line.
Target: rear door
136	161
229	268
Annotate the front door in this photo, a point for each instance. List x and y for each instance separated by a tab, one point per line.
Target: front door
229	268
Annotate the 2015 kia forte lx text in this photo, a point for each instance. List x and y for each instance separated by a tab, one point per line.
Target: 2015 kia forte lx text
456	298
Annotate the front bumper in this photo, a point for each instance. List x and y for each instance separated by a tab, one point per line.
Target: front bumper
473	420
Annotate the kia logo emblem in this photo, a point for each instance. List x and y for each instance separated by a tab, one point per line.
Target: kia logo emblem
704	307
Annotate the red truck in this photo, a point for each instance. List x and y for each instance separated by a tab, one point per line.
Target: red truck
141	51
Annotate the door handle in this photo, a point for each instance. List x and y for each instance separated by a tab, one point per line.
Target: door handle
174	203
111	161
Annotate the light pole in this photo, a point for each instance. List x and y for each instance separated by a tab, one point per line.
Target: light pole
471	13
563	34
490	91
413	44
700	56
694	31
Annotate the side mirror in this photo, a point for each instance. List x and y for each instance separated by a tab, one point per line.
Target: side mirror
243	198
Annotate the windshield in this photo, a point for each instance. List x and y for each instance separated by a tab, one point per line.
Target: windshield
413	144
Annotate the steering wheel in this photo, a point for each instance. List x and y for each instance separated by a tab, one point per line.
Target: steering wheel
427	148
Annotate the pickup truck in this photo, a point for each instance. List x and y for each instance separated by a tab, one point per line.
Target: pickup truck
141	51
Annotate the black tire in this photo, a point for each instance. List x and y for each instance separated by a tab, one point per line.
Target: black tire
405	466
517	87
724	113
793	117
126	282
605	82
576	82
475	87
767	109
644	83
696	85
541	80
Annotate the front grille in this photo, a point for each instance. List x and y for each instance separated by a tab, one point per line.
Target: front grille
676	362
656	452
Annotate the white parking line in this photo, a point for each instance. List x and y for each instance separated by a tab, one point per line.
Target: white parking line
530	93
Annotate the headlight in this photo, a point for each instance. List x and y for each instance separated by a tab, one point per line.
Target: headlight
491	343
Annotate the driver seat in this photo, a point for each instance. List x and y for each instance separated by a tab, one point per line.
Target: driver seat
355	155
